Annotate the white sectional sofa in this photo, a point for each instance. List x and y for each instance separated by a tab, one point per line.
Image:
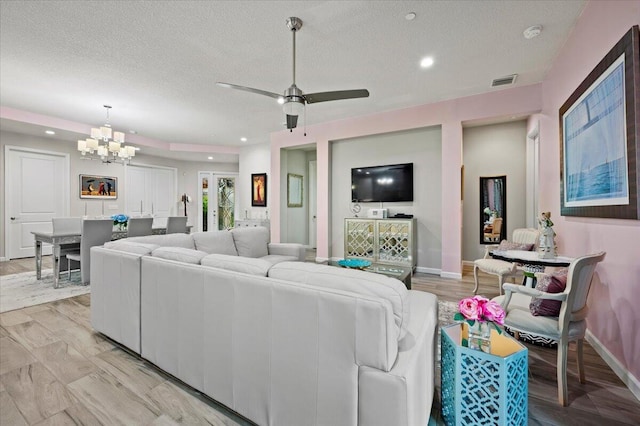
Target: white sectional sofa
281	342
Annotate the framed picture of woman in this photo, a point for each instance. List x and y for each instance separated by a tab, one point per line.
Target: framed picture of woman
259	190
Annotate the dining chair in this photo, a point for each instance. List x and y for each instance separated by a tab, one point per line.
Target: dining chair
501	268
569	326
66	225
139	226
177	224
95	232
496	228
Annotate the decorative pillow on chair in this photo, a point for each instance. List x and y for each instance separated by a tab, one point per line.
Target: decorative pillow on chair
508	245
554	282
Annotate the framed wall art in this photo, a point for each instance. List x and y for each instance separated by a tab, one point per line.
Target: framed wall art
259	190
294	190
98	187
599	149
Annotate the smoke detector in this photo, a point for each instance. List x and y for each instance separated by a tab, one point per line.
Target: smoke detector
532	31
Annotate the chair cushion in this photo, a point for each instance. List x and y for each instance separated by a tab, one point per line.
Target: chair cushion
251	241
495	266
519	318
246	265
554	282
131	246
179	254
219	242
361	282
509	245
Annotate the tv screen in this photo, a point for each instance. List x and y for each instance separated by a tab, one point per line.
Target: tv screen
382	183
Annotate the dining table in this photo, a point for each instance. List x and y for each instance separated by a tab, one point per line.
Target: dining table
531	262
57	240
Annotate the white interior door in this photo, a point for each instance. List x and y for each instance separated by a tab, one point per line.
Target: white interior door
36	190
313	210
152	191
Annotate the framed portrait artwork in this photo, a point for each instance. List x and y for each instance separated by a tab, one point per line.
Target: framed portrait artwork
98	187
259	190
599	149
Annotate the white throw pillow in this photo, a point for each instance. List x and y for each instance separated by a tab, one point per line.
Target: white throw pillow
219	242
167	240
355	281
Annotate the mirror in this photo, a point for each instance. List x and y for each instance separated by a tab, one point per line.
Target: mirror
493	209
294	190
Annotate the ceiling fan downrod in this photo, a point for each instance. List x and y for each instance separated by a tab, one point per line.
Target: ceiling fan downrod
294	24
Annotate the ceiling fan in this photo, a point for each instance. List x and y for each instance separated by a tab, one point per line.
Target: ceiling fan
294	100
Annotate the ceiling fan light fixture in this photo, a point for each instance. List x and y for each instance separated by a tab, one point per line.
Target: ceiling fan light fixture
281	100
293	108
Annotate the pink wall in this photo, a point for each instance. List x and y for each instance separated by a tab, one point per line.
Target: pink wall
448	114
614	318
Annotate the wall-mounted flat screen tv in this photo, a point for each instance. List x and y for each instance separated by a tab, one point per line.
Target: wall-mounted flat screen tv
382	183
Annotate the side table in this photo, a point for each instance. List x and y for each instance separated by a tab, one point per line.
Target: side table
483	388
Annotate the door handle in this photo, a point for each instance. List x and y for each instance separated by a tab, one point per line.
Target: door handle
13	218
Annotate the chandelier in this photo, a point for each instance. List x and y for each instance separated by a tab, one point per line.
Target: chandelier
106	145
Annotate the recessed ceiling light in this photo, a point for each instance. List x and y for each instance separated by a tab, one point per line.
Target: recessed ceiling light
243	139
133	132
532	31
410	16
209	158
50	132
426	62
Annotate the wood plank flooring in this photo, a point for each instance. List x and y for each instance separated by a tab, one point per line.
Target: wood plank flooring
54	370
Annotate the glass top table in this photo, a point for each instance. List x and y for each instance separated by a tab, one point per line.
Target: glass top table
398	272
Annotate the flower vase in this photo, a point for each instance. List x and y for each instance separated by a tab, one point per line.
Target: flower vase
480	336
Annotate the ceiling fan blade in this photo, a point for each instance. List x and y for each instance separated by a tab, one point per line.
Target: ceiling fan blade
292	121
312	98
249	89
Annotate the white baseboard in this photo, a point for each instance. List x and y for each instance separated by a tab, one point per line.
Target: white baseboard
432	271
467	263
4	259
322	259
627	378
454	275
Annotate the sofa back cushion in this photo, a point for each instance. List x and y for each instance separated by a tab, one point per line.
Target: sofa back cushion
251	242
168	240
246	265
131	246
360	282
179	254
219	242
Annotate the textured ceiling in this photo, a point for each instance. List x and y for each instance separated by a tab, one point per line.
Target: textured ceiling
156	62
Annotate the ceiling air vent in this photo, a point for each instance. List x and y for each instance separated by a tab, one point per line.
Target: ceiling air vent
503	81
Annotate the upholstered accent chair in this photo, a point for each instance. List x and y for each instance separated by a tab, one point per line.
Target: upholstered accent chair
177	224
139	226
569	326
503	269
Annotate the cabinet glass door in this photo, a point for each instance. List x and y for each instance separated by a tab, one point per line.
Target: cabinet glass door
217	201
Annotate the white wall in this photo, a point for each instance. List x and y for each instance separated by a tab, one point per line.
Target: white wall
187	176
253	159
493	150
423	148
298	217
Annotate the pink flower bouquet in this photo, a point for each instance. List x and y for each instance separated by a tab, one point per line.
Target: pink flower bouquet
478	308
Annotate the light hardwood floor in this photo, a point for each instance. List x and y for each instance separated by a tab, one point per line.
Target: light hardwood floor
54	370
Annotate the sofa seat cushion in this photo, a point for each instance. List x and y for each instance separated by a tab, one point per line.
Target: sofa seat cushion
131	247
246	265
495	266
251	242
167	240
278	258
219	242
360	282
180	254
